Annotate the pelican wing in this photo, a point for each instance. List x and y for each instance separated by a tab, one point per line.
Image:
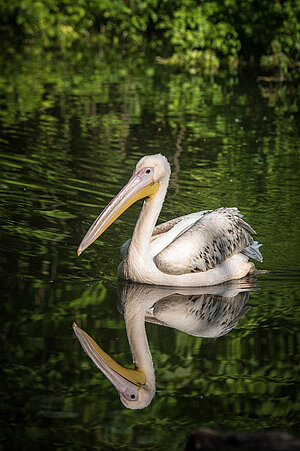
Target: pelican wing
165	233
213	238
203	315
182	220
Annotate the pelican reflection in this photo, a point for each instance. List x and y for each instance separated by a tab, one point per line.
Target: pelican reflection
202	312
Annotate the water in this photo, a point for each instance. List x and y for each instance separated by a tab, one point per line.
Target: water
72	129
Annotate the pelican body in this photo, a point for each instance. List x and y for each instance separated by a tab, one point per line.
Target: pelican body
200	249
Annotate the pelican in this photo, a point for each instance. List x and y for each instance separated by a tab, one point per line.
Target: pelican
202	312
200	249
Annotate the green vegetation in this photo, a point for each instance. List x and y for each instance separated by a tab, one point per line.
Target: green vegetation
205	35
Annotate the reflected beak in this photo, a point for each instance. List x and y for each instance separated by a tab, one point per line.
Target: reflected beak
140	186
125	381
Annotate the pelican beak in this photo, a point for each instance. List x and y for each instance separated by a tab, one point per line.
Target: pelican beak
140	186
125	381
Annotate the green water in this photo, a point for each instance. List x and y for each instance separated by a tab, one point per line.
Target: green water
72	129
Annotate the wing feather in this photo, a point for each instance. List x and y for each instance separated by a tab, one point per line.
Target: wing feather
212	239
165	233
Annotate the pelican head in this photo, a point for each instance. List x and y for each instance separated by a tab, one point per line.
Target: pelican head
133	389
149	173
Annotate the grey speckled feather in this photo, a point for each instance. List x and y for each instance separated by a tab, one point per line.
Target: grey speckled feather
212	239
202	315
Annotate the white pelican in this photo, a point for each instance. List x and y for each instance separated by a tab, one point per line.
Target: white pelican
202	312
201	249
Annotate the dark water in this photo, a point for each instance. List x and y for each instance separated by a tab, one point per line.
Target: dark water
72	129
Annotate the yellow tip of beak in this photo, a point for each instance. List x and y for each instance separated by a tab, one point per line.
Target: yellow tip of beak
74	325
78	252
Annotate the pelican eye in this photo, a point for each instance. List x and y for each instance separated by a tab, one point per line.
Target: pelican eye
148	171
132	396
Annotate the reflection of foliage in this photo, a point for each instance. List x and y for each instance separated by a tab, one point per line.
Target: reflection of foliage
245	381
277	95
80	108
72	129
204	34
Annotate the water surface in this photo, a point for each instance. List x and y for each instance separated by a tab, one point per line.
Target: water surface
72	129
